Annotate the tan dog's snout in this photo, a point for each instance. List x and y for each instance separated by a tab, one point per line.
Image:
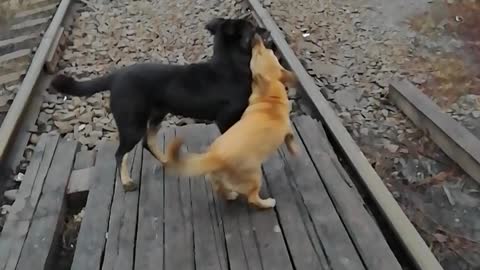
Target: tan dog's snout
257	40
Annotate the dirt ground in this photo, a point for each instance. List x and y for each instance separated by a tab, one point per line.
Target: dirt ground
354	48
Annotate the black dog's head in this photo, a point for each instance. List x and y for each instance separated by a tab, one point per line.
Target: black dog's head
236	32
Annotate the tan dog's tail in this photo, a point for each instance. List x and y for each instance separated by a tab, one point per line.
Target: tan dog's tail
193	164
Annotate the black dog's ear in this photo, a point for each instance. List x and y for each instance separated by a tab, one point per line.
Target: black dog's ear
213	25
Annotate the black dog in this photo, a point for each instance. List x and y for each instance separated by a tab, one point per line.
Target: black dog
142	94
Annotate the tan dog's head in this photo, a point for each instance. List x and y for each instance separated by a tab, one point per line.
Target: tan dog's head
267	72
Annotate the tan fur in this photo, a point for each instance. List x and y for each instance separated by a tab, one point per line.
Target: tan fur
152	143
127	182
233	161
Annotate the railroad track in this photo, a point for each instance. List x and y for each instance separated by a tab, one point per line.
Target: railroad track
18	42
17	54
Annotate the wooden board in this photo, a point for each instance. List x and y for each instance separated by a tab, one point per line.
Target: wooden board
84	159
149	247
94	226
270	242
18	221
80	180
295	224
178	220
336	242
453	138
401	225
363	230
120	247
239	236
47	222
209	252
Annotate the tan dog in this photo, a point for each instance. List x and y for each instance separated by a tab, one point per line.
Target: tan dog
233	161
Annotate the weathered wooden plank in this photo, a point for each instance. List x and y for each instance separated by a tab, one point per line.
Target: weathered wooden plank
149	245
15	55
212	133
304	246
33	11
178	220
84	159
11	77
404	229
30	23
56	51
16	227
47	222
80	180
336	242
328	148
82	174
270	242
208	256
91	237
120	247
18	39
363	230
453	138
239	237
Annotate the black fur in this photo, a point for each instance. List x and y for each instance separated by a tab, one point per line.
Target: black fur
216	90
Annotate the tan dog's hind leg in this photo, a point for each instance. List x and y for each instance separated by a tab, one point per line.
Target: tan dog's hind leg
220	188
127	182
253	182
152	143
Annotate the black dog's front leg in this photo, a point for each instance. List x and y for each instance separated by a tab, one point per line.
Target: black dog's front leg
228	117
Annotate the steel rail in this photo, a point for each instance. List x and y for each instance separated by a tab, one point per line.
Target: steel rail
20	103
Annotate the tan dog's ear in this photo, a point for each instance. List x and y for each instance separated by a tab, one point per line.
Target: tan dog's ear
288	78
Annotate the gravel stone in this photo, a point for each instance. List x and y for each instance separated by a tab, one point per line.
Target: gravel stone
363	45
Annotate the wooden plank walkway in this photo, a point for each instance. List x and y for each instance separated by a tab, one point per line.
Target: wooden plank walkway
319	222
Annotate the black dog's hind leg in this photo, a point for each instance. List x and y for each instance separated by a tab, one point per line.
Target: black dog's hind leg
228	117
130	134
150	138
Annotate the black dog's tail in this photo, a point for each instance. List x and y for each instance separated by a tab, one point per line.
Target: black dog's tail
70	86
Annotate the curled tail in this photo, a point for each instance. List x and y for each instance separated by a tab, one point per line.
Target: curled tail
193	164
70	86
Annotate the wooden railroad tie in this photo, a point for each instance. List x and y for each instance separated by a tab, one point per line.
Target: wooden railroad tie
56	51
